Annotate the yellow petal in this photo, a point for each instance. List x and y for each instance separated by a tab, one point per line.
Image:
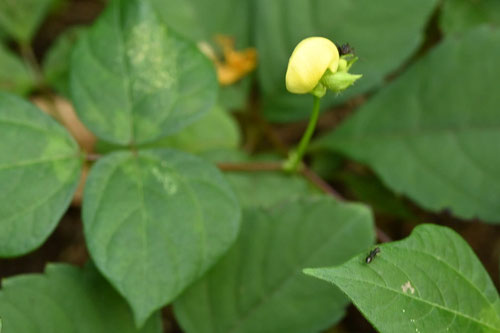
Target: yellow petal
309	61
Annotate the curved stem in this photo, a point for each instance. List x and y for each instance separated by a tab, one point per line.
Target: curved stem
295	158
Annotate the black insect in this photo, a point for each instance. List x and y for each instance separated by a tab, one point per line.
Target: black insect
372	255
345	49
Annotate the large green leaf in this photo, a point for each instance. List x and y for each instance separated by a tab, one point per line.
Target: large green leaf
430	282
155	221
56	63
460	15
14	75
215	130
433	134
133	80
259	287
227	17
189	18
385	34
21	18
39	171
66	299
264	188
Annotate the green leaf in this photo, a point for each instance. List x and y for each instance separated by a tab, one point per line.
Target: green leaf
261	188
189	18
215	130
134	81
258	285
21	18
66	299
56	64
460	15
384	33
433	133
368	189
227	17
155	221
430	282
15	77
40	168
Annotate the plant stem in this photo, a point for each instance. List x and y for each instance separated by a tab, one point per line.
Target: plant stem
295	158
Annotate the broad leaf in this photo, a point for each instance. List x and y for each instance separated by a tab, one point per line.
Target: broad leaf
215	130
384	33
133	80
39	171
460	15
155	221
56	63
433	134
430	282
14	75
66	299
189	18
258	286
21	18
264	188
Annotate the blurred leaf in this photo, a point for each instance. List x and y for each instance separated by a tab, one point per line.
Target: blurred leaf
258	285
384	33
227	17
15	77
460	15
66	299
369	189
433	133
202	20
21	18
155	221
56	63
215	130
134	81
326	164
261	188
40	167
430	282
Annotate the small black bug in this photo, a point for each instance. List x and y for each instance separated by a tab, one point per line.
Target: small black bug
372	255
345	49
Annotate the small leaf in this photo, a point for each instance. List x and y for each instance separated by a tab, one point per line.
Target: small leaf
155	221
21	18
384	33
460	15
15	77
66	299
258	286
430	282
56	63
134	81
40	168
433	133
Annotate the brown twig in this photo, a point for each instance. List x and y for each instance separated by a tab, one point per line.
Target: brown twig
92	157
254	166
320	183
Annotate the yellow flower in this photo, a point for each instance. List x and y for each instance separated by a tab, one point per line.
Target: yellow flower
309	61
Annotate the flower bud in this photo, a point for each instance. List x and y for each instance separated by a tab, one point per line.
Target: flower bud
310	60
